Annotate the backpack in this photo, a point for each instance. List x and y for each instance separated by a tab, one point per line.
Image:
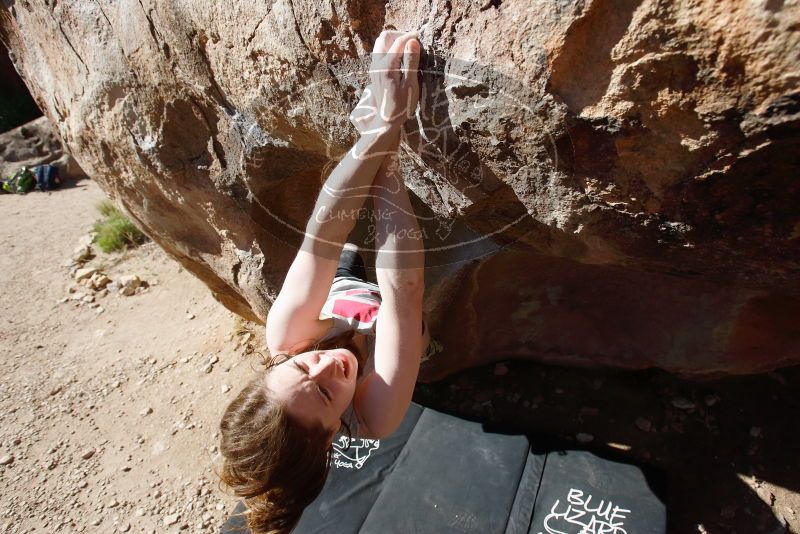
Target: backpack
22	182
47	177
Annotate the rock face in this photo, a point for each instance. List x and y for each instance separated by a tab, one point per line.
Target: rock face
603	182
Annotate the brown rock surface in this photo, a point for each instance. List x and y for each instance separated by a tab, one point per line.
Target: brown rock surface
601	182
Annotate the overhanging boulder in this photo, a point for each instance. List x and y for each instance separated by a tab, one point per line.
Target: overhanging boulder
601	182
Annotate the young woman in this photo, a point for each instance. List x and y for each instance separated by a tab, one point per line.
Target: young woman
345	352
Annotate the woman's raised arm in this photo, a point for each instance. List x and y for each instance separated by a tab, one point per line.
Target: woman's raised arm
383	397
294	317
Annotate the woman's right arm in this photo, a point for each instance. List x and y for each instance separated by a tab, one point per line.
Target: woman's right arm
383	397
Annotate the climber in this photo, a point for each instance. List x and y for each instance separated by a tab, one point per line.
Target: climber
334	367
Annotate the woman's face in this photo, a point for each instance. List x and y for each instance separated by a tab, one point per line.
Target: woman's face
316	386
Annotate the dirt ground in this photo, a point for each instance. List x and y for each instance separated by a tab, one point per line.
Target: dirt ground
109	418
75	381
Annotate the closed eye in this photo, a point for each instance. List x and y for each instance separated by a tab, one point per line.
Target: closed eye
324	392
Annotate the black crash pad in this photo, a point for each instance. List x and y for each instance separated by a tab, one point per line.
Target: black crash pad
440	474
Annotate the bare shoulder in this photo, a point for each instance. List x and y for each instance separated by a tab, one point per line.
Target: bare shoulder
360	398
280	340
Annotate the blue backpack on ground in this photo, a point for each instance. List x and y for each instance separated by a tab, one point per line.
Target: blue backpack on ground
47	177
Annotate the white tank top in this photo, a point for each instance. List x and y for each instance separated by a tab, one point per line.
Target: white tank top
353	305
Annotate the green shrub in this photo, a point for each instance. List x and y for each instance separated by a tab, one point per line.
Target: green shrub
107	209
114	231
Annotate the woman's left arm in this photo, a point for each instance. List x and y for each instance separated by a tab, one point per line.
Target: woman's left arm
293	319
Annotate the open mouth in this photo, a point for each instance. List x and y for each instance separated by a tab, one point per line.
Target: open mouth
343	363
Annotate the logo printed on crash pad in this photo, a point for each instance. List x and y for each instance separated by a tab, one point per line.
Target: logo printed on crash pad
583	514
354	456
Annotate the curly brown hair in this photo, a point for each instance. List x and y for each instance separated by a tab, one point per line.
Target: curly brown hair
274	462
